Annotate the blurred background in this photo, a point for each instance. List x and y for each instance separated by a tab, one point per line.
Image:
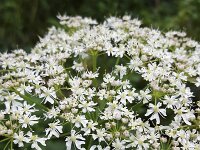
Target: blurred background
23	21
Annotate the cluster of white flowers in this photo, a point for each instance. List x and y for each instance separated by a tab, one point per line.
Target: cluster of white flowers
78	85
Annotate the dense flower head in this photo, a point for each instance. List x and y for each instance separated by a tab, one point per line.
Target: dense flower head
111	85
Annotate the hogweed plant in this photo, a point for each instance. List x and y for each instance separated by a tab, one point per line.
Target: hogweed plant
114	85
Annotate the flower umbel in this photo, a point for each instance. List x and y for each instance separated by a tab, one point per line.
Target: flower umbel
102	86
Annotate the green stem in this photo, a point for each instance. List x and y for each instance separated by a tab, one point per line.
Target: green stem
117	62
139	103
94	66
169	147
127	56
189	126
89	143
62	135
11	144
94	62
59	92
5	139
7	70
30	100
6	145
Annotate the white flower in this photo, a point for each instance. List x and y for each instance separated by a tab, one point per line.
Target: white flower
170	101
35	140
90	75
76	139
184	91
103	94
155	111
87	83
87	106
138	141
117	114
150	73
118	145
180	76
99	147
20	139
48	95
135	64
26	108
12	100
25	88
101	133
145	95
54	129
27	119
78	66
80	120
52	113
124	96
108	78
185	114
197	83
90	127
121	70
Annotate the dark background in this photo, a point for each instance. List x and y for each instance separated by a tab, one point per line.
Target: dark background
22	21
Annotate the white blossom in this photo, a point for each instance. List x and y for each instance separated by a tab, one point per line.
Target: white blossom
155	110
54	129
76	139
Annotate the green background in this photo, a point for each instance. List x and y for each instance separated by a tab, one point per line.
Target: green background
22	21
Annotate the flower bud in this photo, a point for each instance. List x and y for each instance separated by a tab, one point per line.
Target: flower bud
62	107
124	120
2	116
117	134
74	111
107	125
8	123
126	133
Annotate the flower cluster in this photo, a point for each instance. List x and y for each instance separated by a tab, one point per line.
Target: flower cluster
114	85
